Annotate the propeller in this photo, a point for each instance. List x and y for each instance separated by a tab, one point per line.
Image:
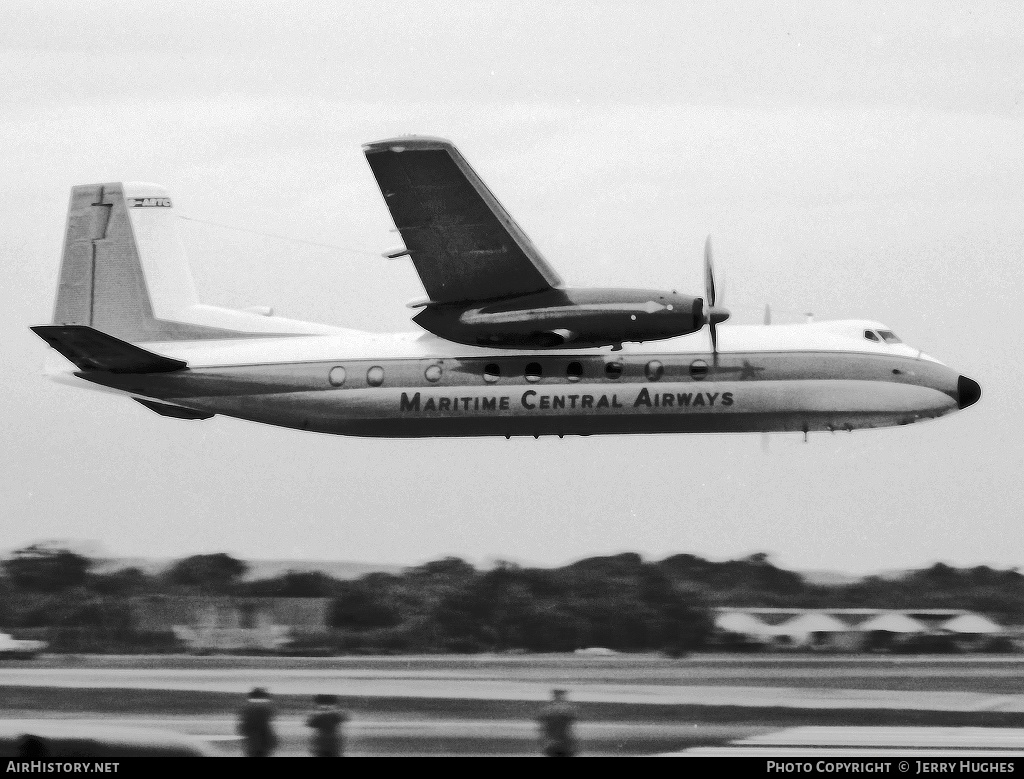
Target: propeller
713	316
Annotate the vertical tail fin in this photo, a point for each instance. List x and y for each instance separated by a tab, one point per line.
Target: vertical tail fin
124	272
121	241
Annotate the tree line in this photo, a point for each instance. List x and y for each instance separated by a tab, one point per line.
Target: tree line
620	602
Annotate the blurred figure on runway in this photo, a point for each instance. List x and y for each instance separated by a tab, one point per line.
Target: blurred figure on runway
557	720
327	739
256	724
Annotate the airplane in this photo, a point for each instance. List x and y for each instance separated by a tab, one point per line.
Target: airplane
508	351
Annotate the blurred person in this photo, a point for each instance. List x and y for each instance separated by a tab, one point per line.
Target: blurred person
256	724
327	739
557	720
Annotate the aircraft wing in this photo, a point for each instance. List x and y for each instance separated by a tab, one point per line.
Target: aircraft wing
464	244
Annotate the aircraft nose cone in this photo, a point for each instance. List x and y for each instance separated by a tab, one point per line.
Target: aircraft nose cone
968	391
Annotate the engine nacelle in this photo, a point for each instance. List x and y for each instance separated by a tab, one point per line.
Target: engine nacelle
564	317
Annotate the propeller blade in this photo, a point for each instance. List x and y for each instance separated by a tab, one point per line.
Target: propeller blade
712	315
709	274
767	314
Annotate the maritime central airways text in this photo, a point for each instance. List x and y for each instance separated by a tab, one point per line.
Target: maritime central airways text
531	399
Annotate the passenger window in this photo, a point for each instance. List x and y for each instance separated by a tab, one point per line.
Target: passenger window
870	335
574	371
613	370
492	372
889	337
433	373
655	370
533	371
336	376
375	376
698	369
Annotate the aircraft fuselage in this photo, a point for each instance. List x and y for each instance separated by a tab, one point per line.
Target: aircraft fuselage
797	378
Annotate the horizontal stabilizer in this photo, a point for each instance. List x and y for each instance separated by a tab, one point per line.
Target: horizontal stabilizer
93	350
178	412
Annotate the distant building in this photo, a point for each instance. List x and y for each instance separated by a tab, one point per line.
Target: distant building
225	623
852	630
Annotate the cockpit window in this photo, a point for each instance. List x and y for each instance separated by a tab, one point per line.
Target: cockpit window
889	337
870	335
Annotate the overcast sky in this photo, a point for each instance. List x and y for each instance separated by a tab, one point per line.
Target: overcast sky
850	159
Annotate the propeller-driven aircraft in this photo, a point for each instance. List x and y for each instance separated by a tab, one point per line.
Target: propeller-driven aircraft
508	349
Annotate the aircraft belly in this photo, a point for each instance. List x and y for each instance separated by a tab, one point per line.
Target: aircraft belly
584	409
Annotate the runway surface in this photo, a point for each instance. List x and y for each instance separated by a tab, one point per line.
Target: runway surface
468	685
390	737
903	742
484	705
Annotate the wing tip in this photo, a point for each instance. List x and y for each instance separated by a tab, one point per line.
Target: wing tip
408	142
